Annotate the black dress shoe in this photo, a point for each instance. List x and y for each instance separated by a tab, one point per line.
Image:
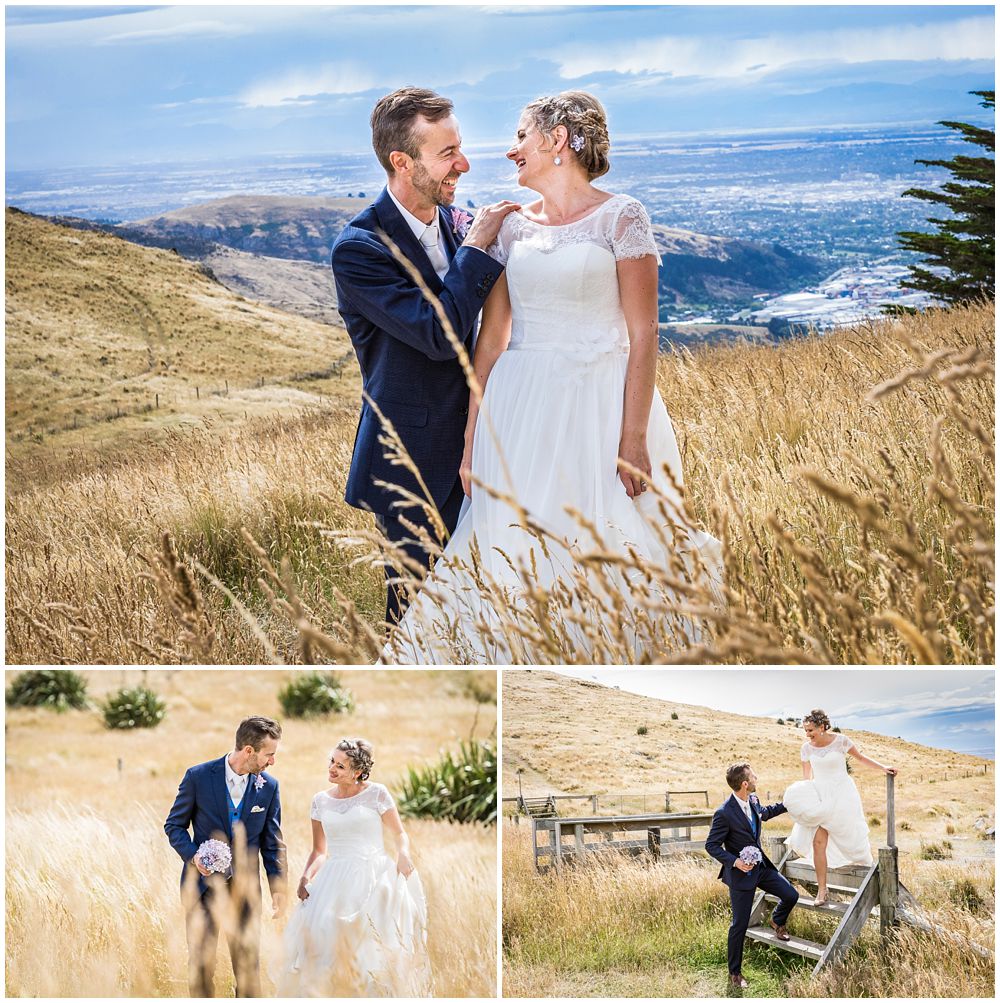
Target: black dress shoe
736	979
781	932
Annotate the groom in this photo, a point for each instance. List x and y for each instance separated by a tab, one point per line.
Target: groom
735	826
408	367
232	800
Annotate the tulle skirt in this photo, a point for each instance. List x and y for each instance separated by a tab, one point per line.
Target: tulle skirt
834	805
548	436
361	933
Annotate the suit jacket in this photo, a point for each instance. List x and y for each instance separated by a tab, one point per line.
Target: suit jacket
407	365
731	832
203	806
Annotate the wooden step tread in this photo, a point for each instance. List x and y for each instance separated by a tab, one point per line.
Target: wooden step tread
805	902
807	948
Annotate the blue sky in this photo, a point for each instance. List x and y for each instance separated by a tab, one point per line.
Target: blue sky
130	84
944	708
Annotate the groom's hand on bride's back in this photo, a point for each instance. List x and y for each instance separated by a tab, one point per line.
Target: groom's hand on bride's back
487	224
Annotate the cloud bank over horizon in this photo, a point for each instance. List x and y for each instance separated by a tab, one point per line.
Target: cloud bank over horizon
107	85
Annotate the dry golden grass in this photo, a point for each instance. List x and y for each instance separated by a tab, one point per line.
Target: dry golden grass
626	927
850	477
621	927
97	326
93	901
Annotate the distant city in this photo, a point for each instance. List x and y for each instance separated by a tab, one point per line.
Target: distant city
835	195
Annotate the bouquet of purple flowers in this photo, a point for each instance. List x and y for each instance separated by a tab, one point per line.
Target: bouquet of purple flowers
214	855
751	855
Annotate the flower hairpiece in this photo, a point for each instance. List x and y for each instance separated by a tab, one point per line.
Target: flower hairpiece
577	142
259	782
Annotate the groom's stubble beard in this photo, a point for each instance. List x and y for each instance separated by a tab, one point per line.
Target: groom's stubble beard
428	187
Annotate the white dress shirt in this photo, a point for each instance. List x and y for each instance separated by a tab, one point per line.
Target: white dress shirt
237	785
429	236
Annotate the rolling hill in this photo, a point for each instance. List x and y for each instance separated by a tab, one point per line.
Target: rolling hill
107	342
573	736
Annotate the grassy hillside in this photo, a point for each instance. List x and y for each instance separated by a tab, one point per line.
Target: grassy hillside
93	904
850	477
628	927
110	343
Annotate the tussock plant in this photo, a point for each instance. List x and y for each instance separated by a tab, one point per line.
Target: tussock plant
134	708
59	689
461	787
314	694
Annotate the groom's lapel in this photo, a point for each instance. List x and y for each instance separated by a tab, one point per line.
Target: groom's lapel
448	235
249	798
736	810
221	792
399	230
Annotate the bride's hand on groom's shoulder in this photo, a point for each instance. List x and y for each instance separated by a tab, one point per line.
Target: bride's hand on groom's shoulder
487	223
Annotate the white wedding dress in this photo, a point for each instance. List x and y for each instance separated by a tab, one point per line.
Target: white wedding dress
363	929
548	434
830	800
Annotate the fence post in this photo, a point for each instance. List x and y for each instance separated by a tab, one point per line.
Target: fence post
890	809
593	803
666	806
197	393
888	888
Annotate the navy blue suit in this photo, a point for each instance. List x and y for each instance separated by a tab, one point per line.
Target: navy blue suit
730	833
202	810
407	365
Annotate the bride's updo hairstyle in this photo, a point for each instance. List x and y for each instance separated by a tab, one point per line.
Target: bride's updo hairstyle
583	116
818	718
359	752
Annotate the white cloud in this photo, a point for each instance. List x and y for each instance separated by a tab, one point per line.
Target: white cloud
301	86
969	38
172	32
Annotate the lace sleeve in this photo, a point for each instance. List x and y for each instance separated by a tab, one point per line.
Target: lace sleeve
805	752
632	233
845	744
383	799
314	808
500	248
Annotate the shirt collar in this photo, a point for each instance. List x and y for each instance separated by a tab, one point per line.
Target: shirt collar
416	225
231	774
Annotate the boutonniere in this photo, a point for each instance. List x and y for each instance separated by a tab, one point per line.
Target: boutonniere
460	222
755	801
259	782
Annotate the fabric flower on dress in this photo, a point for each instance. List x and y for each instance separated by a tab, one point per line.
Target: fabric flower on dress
460	222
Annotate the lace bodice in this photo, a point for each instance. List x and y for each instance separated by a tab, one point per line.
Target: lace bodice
619	225
841	744
563	280
353	826
828	763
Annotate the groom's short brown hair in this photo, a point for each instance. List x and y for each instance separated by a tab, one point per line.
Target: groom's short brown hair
394	117
253	730
736	774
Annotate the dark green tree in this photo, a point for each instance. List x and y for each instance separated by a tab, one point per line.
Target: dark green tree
963	245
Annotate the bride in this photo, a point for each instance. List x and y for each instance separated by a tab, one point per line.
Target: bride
830	828
360	929
566	357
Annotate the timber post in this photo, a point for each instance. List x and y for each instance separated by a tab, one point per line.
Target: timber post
888	889
890	810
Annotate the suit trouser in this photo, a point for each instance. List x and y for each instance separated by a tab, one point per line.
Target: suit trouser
397	533
741	901
203	939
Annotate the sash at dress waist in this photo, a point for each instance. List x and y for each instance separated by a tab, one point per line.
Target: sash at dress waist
340	850
573	352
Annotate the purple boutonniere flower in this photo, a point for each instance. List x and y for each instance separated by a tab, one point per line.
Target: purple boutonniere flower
751	855
460	222
259	782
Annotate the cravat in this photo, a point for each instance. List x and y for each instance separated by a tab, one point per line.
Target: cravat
432	245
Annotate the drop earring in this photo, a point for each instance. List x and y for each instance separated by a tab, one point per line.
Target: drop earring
558	160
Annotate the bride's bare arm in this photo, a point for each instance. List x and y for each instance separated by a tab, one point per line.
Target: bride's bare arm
853	750
391	821
807	770
494	336
637	280
315	859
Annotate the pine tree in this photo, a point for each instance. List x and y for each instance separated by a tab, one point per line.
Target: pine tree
964	243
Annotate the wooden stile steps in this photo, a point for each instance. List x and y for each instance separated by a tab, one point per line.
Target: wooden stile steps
860	883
